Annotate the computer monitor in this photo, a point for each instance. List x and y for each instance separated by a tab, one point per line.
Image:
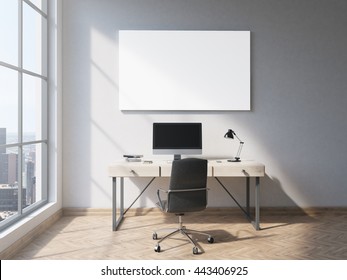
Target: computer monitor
177	139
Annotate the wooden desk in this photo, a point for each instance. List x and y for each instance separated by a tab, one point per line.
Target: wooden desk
162	168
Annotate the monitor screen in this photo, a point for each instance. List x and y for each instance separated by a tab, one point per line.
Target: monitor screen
177	139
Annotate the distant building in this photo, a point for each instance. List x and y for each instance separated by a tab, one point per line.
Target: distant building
30	182
2	140
8	168
8	162
9	198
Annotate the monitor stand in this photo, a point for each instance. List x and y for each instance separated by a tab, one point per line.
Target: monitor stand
177	157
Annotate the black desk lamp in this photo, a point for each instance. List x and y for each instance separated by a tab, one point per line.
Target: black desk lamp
230	135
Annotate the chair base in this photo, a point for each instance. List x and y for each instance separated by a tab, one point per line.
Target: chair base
185	232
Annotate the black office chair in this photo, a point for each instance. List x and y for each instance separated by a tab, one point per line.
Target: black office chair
187	193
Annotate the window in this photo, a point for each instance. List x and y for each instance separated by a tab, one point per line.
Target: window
23	108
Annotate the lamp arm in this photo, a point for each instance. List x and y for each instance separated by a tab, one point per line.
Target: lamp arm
238	138
239	150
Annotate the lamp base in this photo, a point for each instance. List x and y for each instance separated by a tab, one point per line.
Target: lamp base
237	159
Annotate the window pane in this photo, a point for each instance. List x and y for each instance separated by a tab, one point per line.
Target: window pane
8	106
9	31
33	103
9	183
32	173
34	41
23	168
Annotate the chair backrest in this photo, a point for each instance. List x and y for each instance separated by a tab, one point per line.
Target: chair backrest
188	173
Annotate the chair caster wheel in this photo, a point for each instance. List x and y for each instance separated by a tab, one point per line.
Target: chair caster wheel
155	236
157	248
210	239
195	251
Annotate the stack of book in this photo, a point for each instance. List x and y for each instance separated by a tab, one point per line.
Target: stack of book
133	158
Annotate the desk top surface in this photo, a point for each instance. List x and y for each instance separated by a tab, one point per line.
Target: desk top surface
162	168
160	162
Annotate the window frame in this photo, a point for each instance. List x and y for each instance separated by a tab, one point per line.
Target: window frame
43	140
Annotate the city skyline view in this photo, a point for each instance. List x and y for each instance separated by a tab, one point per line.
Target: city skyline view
9	176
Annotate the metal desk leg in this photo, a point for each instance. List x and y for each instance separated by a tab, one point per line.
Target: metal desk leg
121	198
248	196
256	221
114	203
115	221
257	207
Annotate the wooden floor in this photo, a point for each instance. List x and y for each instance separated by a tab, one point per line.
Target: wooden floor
285	235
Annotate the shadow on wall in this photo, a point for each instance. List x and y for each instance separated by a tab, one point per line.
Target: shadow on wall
272	192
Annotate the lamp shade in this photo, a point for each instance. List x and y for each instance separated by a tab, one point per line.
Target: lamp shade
230	134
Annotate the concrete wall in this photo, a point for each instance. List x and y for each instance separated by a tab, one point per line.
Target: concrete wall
297	126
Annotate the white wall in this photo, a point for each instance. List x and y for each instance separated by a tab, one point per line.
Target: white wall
297	125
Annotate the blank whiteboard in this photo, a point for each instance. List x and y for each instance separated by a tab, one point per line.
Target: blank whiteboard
184	70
